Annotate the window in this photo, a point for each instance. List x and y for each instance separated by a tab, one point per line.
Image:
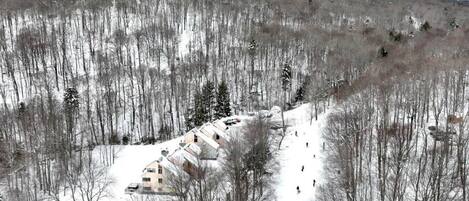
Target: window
217	137
152	170
146	179
160	180
160	169
195	138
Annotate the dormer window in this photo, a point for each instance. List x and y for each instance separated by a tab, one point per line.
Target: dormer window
195	138
160	169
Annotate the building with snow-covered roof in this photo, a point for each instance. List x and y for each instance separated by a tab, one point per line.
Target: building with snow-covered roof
208	146
211	131
185	160
193	149
155	177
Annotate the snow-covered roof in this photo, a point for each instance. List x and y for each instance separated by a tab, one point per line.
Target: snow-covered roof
165	163
207	140
169	165
209	130
180	155
191	147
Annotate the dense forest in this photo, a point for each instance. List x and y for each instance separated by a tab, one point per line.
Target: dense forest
80	73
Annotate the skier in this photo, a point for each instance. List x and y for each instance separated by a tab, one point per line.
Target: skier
298	189
306	144
314	182
296	133
302	168
314	155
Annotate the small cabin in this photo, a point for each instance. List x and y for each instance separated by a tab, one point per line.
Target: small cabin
155	175
208	146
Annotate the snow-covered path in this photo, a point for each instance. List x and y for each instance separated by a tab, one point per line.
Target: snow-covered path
294	155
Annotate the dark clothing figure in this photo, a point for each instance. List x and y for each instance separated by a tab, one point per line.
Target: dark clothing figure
306	145
296	133
297	189
314	182
314	156
302	168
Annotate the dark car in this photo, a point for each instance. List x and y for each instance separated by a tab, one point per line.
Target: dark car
132	188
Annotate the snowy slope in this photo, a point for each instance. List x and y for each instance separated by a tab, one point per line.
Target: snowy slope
131	159
294	154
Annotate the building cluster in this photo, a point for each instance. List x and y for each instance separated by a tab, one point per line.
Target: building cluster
198	144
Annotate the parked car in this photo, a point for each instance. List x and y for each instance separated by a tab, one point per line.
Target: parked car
132	188
232	121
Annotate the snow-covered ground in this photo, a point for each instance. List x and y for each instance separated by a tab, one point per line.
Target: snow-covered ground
294	154
130	160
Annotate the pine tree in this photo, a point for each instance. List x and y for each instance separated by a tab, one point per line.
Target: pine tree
208	101
71	100
286	77
189	119
199	110
222	107
204	104
300	94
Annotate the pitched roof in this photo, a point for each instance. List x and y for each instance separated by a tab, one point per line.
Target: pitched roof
191	147
165	163
180	155
206	139
209	130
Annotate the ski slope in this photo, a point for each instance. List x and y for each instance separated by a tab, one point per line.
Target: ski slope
294	154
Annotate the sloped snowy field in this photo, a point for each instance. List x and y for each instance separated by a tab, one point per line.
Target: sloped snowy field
294	154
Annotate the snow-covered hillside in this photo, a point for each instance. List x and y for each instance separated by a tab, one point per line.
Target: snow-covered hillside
131	159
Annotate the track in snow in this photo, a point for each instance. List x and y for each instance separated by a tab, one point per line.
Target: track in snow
294	154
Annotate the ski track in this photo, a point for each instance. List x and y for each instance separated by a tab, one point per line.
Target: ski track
294	154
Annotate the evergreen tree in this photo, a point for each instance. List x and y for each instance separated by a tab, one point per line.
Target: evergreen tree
222	108
199	110
204	104
71	105
301	92
71	100
189	119
208	101
286	77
